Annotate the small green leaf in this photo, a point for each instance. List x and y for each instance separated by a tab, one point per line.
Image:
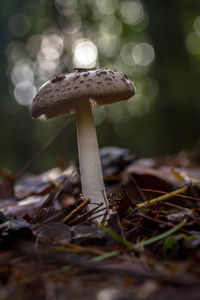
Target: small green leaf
169	245
188	237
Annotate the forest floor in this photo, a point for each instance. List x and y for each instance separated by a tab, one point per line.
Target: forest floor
149	247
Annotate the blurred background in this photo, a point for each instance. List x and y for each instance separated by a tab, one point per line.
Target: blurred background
156	43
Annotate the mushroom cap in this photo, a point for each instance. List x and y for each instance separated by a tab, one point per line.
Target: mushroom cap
101	86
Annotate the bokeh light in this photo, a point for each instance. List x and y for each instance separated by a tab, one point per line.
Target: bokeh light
126	54
85	53
15	51
143	54
111	25
22	70
109	45
24	92
66	7
43	39
197	25
193	43
71	24
75	43
131	11
107	7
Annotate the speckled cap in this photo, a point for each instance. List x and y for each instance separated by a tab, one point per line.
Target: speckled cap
101	86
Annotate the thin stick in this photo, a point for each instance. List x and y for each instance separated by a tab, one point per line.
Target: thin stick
44	148
49	199
74	212
95	217
175	206
161	222
161	192
163	197
85	215
49	219
91	213
106	203
138	188
127	196
80	248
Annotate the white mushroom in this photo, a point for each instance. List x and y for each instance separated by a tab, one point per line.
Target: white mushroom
79	92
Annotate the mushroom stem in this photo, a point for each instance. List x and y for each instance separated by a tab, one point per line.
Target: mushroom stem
89	159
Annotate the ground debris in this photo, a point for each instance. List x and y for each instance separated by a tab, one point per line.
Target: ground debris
148	249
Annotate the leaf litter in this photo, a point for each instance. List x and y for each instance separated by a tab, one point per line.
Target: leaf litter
149	248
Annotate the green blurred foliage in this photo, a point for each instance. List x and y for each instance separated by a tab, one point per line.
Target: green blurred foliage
156	43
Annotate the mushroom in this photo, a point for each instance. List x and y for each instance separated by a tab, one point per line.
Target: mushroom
79	92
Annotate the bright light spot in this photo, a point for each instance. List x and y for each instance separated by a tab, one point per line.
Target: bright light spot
50	53
52	41
48	57
143	54
193	44
19	24
24	92
22	71
197	25
85	53
47	64
107	7
126	54
111	25
132	12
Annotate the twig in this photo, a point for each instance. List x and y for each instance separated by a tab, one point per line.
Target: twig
161	222
50	198
142	195
127	196
83	216
106	202
74	212
175	206
163	197
96	210
161	192
49	219
80	248
95	217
